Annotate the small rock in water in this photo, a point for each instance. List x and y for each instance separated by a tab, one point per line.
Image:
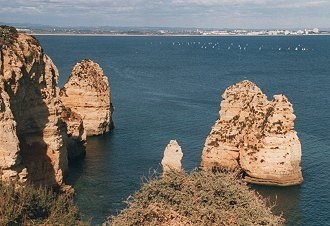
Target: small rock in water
172	157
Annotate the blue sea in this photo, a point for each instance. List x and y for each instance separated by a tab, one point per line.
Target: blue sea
165	88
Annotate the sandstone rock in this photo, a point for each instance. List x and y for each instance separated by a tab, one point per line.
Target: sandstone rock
172	157
32	136
256	135
10	161
76	139
87	93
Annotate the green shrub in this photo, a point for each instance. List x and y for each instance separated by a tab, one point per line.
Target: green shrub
29	205
199	198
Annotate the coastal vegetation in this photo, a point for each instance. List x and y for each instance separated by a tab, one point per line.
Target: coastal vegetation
197	198
7	35
31	205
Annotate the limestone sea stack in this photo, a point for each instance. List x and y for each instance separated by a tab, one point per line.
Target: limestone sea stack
255	135
87	93
31	130
172	157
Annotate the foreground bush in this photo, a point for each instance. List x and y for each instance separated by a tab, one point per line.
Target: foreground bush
199	198
36	206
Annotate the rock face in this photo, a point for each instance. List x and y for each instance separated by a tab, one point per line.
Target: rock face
172	157
87	93
76	139
10	162
31	130
256	135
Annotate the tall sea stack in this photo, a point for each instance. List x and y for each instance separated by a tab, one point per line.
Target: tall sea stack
255	135
87	93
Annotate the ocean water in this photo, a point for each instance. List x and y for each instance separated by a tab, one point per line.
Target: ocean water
167	88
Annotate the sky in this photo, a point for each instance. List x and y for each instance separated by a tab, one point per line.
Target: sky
246	14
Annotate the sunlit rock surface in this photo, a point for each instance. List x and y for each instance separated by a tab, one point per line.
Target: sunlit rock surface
255	135
32	133
87	93
172	157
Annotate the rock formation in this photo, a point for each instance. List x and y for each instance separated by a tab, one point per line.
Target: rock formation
87	93
10	162
31	130
256	135
76	139
172	157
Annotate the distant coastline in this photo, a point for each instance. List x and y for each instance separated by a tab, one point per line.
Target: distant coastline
161	31
170	35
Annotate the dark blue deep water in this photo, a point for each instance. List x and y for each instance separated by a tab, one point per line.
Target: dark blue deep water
167	88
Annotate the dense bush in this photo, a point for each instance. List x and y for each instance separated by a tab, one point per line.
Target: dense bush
199	198
36	206
7	35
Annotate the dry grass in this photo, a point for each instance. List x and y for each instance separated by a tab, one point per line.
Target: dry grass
198	198
36	206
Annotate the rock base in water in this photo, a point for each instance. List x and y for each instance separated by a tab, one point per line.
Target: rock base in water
87	93
255	135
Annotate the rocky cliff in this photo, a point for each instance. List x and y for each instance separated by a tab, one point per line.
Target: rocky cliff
87	93
256	135
10	163
31	130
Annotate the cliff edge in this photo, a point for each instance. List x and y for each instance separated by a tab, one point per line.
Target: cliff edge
32	133
255	135
41	127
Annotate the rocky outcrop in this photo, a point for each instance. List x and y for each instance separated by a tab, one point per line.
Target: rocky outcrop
172	157
31	130
256	135
76	139
87	93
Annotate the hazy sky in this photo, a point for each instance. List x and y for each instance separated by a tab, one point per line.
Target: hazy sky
172	13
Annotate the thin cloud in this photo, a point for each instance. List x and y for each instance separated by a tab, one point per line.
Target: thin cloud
208	13
254	3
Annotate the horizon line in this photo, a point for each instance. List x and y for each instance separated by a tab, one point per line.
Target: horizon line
153	27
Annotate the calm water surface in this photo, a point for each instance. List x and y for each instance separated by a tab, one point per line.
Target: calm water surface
167	88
